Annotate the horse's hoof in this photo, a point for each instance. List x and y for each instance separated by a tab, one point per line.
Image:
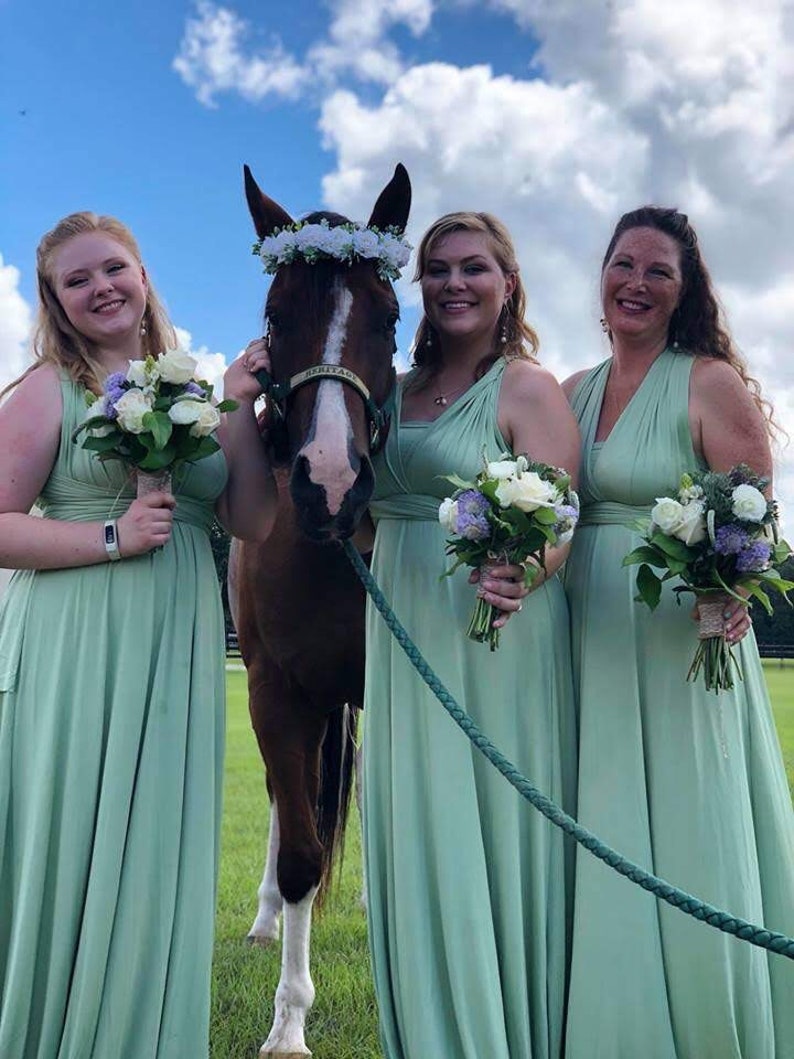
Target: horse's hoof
260	941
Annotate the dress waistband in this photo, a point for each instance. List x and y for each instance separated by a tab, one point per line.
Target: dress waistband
414	507
609	513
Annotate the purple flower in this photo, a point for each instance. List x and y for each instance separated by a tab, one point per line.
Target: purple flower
753	558
471	522
115	386
194	388
730	540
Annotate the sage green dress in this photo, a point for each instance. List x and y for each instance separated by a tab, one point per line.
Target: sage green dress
111	742
467	887
687	783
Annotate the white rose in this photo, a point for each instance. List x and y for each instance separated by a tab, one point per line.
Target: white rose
501	469
749	503
667	514
183	412
692	527
209	419
131	407
136	373
527	493
448	514
176	366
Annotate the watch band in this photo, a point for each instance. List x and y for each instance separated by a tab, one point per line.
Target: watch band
111	538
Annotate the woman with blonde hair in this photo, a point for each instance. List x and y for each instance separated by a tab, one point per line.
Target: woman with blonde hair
467	910
111	681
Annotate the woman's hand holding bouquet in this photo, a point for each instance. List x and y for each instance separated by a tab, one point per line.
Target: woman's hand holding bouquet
512	510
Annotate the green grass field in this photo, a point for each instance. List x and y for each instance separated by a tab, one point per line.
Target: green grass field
343	1021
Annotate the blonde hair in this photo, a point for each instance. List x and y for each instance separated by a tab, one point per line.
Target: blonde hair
521	339
55	340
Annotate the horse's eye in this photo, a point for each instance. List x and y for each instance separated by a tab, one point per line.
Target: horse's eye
272	319
391	320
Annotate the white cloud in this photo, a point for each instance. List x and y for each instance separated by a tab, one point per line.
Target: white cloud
15	321
211	366
211	60
214	56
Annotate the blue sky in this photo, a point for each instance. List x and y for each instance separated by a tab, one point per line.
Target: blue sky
557	115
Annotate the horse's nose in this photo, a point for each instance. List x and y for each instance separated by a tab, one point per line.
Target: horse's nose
311	502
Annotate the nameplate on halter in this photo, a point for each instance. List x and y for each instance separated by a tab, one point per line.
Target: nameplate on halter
329	371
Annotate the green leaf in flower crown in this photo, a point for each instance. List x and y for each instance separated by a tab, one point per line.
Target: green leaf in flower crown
159	426
649	586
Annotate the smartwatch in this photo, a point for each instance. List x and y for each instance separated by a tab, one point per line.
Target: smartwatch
111	538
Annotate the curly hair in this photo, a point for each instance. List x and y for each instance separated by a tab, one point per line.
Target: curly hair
698	325
521	339
55	340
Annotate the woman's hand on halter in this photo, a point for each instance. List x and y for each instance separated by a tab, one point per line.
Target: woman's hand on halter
240	382
146	524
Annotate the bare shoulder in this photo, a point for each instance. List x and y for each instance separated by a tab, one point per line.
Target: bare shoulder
717	384
41	388
529	381
569	385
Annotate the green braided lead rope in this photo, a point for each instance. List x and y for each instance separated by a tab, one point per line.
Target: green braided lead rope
740	928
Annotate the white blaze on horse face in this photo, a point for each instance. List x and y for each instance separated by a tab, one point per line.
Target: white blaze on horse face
329	458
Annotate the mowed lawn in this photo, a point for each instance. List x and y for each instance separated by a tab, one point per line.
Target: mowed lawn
343	1021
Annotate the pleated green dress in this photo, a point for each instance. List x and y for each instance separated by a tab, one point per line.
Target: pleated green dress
687	783
111	742
467	882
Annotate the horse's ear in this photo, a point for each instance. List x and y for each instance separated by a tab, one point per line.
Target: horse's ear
267	215
394	202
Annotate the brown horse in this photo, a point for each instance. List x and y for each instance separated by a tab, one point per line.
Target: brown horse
299	606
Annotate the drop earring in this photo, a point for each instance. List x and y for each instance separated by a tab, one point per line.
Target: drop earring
604	325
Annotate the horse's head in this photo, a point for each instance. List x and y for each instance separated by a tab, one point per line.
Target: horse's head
331	326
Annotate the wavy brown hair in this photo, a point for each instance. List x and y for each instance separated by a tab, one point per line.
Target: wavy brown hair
55	340
522	341
698	325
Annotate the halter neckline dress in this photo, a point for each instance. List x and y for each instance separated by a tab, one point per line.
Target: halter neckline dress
467	882
688	784
111	742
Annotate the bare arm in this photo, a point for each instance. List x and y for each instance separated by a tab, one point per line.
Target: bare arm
30	427
247	506
535	418
727	429
727	426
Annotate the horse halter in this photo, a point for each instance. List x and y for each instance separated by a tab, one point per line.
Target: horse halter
278	393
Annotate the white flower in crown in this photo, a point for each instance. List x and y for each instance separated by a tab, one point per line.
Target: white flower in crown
367	243
343	242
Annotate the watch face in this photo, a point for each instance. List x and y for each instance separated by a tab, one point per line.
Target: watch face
110	534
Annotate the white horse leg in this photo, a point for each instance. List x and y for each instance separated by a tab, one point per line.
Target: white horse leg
265	927
360	803
295	992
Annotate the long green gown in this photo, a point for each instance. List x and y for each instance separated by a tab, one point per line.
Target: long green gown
111	743
687	783
467	887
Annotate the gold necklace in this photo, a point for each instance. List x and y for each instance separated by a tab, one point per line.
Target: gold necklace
443	399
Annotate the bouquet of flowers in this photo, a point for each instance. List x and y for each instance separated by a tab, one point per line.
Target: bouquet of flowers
155	417
719	536
507	515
